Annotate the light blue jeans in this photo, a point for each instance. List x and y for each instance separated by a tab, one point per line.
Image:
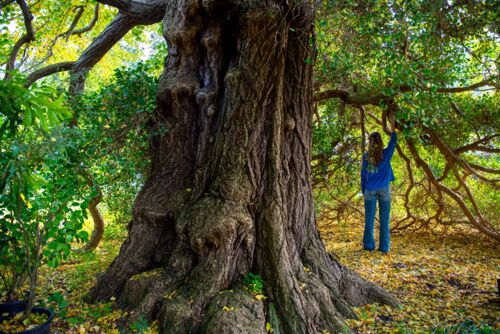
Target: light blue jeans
383	196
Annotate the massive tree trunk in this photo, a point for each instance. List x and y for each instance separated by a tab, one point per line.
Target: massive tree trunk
229	191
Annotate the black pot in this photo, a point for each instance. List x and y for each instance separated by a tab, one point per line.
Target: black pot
12	307
42	329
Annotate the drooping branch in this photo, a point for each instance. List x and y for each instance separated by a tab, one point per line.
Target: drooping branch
476	146
481	225
90	25
452	158
406	195
98	231
362	113
72	29
28	37
349	98
76	19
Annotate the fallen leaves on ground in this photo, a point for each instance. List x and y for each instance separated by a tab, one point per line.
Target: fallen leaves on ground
442	283
20	322
64	287
446	284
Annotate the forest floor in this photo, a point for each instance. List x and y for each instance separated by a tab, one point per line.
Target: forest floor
445	284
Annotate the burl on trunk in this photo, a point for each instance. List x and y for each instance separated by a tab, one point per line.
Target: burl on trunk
229	191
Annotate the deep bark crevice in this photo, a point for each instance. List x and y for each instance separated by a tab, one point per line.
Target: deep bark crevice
229	190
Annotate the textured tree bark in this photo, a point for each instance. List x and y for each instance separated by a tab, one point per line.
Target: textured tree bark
229	190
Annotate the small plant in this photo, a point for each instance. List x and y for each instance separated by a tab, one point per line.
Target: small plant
60	302
254	283
139	326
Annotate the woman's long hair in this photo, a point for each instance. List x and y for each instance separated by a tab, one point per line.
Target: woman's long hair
375	149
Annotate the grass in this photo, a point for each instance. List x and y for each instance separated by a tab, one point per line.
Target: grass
445	284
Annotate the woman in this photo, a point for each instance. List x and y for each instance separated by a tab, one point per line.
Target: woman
376	175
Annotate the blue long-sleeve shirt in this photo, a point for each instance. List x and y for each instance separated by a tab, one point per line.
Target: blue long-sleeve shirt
380	176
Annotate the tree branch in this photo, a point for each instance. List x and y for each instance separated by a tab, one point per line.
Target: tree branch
475	145
115	30
377	99
137	13
91	24
6	3
121	5
452	194
76	19
26	38
48	70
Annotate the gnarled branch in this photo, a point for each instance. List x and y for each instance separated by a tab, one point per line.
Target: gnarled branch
377	99
29	36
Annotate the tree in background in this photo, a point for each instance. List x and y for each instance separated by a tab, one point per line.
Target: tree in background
435	65
42	47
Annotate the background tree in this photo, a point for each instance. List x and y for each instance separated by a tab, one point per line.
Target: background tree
41	49
435	64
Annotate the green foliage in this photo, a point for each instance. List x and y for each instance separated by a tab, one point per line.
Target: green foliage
42	208
406	50
60	303
254	283
406	53
139	326
114	121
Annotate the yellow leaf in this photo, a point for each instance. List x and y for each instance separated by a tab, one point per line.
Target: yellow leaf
25	201
260	297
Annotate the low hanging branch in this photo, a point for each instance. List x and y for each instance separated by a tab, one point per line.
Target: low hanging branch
362	113
480	224
435	190
376	100
477	220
